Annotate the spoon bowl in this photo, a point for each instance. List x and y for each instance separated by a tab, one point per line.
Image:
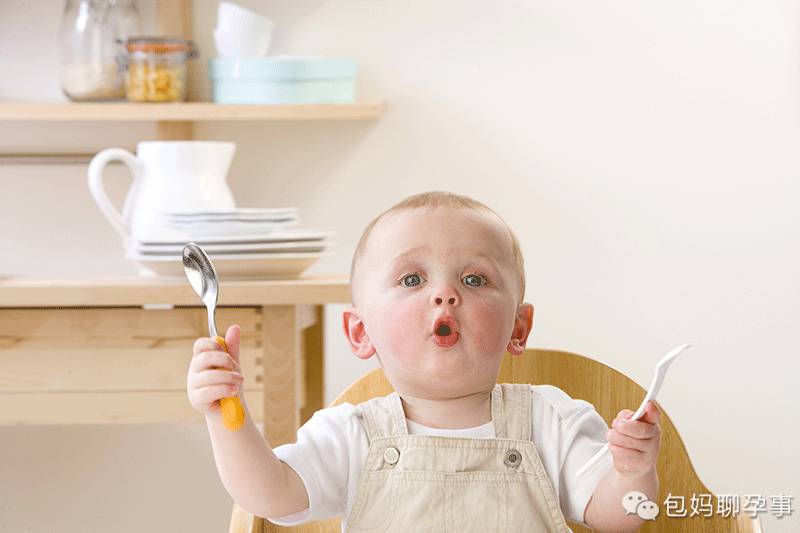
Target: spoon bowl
203	279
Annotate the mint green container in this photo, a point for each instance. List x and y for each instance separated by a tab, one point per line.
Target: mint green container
263	80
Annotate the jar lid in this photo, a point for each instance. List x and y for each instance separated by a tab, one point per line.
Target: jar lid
160	45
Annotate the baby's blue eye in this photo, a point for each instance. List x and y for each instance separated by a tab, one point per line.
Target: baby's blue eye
477	280
415	277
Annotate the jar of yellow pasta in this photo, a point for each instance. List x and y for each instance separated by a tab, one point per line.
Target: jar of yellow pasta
157	68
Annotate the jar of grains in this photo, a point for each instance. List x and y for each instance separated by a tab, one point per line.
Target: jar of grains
157	68
91	56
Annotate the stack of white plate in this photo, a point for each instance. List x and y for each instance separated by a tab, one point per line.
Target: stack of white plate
243	220
241	243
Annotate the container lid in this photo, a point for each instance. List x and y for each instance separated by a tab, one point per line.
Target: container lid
267	68
160	45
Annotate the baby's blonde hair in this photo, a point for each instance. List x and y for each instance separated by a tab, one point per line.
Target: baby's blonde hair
431	200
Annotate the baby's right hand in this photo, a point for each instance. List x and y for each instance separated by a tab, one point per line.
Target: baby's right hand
214	374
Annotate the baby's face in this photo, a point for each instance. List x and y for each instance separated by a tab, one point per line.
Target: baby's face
425	269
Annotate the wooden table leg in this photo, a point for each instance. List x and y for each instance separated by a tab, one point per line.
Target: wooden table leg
281	373
292	340
313	351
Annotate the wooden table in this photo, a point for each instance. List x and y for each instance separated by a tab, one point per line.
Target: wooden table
106	351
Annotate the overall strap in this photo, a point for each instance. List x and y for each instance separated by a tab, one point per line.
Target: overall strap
511	411
384	417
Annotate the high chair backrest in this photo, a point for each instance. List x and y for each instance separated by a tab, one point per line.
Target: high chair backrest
609	391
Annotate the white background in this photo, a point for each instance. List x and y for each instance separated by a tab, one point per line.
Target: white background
646	153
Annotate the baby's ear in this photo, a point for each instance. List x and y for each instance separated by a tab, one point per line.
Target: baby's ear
523	323
356	334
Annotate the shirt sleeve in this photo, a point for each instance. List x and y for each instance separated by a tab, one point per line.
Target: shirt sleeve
321	459
578	432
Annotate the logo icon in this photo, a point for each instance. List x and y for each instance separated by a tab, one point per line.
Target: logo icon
636	502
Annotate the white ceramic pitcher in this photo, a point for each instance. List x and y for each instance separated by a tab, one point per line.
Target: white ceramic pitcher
167	176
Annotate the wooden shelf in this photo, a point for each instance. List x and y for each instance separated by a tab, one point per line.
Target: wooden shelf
183	112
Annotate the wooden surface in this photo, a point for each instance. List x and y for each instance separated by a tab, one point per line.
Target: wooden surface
101	351
609	391
42	292
184	111
101	366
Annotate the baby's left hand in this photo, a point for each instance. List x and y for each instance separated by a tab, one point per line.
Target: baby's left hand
634	444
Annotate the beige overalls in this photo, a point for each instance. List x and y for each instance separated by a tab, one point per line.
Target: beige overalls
450	484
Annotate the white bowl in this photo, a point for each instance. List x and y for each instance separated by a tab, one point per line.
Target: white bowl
242	43
233	17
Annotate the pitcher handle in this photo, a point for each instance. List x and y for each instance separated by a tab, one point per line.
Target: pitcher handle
96	167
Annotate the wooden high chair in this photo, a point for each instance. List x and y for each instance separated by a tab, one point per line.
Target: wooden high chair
582	378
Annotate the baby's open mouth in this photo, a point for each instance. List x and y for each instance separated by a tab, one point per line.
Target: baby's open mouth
445	331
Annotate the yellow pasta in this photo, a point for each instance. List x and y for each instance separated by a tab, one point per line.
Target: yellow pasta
156	82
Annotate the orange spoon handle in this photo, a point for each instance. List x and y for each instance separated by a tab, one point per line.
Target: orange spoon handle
231	408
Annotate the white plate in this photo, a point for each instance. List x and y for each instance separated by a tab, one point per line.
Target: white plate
229	218
255	266
247	248
279	235
268	211
230	228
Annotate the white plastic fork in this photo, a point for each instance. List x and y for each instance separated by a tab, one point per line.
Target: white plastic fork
655	386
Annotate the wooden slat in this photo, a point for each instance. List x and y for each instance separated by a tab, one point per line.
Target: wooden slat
111	370
107	408
184	112
281	337
120	328
98	292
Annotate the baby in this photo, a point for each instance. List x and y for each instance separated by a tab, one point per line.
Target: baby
437	285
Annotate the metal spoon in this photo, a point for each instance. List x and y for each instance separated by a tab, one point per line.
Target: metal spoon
655	386
203	279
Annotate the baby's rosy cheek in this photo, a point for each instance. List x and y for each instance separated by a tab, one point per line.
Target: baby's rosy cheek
494	328
402	325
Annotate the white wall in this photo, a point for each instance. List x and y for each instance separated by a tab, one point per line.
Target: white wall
646	154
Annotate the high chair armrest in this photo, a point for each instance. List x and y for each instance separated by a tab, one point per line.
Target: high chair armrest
244	522
748	524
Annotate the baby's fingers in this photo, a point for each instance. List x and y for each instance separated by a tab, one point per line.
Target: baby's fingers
205	344
205	398
651	413
636	428
624	441
212	360
207	387
624	414
215	377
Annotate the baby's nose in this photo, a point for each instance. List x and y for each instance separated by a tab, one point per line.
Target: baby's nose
448	295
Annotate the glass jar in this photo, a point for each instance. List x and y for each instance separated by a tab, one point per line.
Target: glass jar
157	68
91	57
